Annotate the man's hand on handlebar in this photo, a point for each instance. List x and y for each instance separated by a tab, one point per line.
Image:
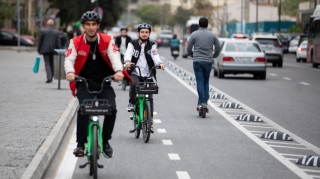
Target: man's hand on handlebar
162	66
70	77
128	64
118	76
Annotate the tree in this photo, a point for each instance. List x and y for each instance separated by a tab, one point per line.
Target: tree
289	7
71	10
149	13
6	11
182	15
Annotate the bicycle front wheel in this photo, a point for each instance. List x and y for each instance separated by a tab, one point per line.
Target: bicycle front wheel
94	161
146	122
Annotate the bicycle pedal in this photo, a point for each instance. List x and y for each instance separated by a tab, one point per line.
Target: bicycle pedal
100	166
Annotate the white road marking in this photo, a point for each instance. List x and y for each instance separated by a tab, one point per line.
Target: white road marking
258	131
287	78
155	113
162	131
304	83
284	143
314	171
166	142
257	126
183	175
314	176
156	121
272	74
295	155
281	146
69	161
298	171
254	123
173	156
293	159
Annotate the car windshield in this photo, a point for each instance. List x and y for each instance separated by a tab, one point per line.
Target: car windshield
242	47
267	41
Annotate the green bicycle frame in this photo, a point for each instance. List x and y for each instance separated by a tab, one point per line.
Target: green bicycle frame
138	115
89	145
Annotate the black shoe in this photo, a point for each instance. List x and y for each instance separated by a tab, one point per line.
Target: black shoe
79	151
48	81
108	151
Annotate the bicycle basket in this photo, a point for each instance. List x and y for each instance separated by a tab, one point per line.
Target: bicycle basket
95	107
147	88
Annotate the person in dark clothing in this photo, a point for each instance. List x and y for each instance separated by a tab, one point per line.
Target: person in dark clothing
174	43
48	41
94	56
63	38
122	42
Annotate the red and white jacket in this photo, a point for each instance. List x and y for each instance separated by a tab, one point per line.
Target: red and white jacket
78	52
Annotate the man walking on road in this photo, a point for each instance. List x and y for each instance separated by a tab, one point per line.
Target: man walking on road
122	42
48	41
200	47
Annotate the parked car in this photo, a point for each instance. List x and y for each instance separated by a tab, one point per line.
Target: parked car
241	57
239	36
295	42
133	35
11	39
271	47
153	37
165	37
301	54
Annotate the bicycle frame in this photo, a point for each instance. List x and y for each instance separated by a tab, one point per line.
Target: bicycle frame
94	120
140	102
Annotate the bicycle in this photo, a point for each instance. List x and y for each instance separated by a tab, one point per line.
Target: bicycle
94	107
142	117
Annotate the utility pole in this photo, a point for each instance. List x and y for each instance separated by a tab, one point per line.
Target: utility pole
256	16
279	21
241	15
40	14
18	23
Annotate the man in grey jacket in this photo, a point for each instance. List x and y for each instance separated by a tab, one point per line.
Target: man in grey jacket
48	41
200	47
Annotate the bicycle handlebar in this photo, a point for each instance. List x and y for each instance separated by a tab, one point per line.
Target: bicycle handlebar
133	66
105	80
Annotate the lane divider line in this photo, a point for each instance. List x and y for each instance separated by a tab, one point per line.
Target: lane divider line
304	83
173	156
162	131
166	142
157	121
69	161
183	175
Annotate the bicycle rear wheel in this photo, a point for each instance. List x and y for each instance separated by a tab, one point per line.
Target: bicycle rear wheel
94	154
123	85
203	112
146	123
135	122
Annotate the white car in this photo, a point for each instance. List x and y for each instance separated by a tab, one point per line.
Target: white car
301	54
240	57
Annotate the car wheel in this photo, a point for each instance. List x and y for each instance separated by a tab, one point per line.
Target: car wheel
220	74
263	75
298	59
215	73
184	56
280	63
274	64
304	60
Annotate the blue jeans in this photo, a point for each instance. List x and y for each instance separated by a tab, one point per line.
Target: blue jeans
202	72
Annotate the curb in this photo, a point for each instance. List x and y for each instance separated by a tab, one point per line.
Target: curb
22	48
47	150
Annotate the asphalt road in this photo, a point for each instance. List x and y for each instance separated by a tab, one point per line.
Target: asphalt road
187	146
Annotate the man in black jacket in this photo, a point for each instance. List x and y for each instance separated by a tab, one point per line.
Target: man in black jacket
48	41
122	42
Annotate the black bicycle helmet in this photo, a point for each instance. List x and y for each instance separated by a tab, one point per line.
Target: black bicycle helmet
90	16
144	26
123	28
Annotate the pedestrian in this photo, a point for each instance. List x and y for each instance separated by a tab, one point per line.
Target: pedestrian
94	56
63	38
122	42
48	41
200	48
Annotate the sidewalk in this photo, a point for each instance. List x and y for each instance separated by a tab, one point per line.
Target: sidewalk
31	111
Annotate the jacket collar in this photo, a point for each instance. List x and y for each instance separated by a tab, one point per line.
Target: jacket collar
85	40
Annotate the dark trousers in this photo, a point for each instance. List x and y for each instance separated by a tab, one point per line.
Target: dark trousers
83	120
48	64
133	93
202	72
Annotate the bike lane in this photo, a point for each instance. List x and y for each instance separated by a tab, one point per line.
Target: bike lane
183	145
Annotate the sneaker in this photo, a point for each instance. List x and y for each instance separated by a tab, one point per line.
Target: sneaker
108	151
79	151
152	130
130	107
